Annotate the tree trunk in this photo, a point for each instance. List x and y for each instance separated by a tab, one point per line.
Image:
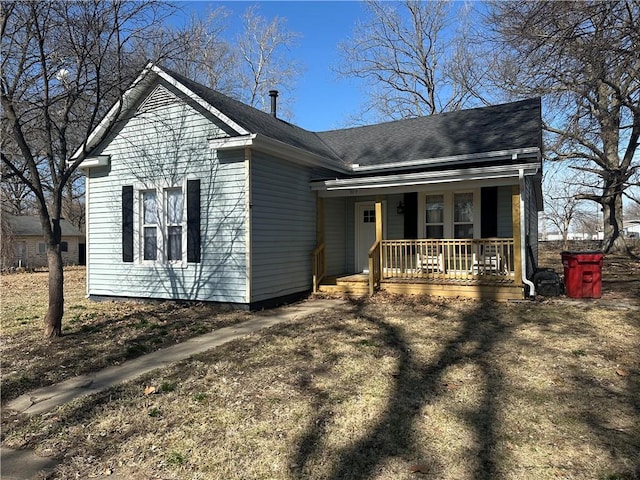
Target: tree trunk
53	319
612	218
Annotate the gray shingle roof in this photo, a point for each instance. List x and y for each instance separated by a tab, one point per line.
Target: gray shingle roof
507	126
501	127
257	121
29	225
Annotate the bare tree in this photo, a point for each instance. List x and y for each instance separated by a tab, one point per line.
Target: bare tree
245	69
6	240
261	63
406	53
206	57
583	58
562	207
64	64
17	198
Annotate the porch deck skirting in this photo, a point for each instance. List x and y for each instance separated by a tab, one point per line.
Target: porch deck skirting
478	289
358	286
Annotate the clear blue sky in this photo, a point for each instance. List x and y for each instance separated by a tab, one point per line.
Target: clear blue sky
322	100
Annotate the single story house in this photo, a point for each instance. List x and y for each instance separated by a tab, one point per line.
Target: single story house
632	228
194	195
29	248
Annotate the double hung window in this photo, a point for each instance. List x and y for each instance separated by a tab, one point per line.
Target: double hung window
150	223
162	225
463	215
450	215
174	210
435	216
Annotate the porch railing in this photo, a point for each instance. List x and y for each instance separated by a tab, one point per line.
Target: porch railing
375	270
455	259
318	265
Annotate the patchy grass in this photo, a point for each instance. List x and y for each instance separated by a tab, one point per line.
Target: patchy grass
384	388
620	275
96	334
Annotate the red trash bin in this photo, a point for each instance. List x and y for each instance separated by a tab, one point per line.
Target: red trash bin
582	274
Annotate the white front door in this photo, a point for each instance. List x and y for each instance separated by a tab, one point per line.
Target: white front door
365	233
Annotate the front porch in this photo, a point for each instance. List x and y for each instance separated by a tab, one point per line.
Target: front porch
482	268
477	268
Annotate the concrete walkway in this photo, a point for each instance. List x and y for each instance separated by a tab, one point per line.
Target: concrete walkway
23	465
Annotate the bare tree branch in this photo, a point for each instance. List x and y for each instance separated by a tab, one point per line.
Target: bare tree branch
585	63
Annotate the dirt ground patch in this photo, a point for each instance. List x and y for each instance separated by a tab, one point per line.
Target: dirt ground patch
384	388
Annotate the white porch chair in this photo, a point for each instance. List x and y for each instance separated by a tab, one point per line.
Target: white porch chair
430	261
487	260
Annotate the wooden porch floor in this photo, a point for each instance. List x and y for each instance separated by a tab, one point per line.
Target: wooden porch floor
493	288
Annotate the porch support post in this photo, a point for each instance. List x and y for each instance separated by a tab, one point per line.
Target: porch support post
378	219
517	240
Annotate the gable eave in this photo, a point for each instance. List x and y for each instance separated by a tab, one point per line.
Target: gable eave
130	98
202	102
278	149
122	106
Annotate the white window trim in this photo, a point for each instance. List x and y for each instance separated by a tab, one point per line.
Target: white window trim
138	232
448	213
183	224
141	225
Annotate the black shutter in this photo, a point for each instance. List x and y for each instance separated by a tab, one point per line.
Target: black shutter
489	212
193	221
127	223
411	215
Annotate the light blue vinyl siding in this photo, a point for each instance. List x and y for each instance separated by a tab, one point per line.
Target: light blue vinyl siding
505	217
395	221
160	148
350	211
335	215
283	227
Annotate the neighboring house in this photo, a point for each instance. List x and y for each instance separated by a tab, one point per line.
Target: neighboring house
551	237
30	249
194	195
632	228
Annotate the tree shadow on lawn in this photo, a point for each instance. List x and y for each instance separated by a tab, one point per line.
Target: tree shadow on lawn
484	331
609	407
416	385
481	336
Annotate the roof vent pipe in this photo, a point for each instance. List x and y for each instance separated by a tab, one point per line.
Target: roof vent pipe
274	95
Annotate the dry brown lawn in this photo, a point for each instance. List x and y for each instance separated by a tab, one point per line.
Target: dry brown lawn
383	388
96	334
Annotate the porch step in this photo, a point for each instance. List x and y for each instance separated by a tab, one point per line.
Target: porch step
354	285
